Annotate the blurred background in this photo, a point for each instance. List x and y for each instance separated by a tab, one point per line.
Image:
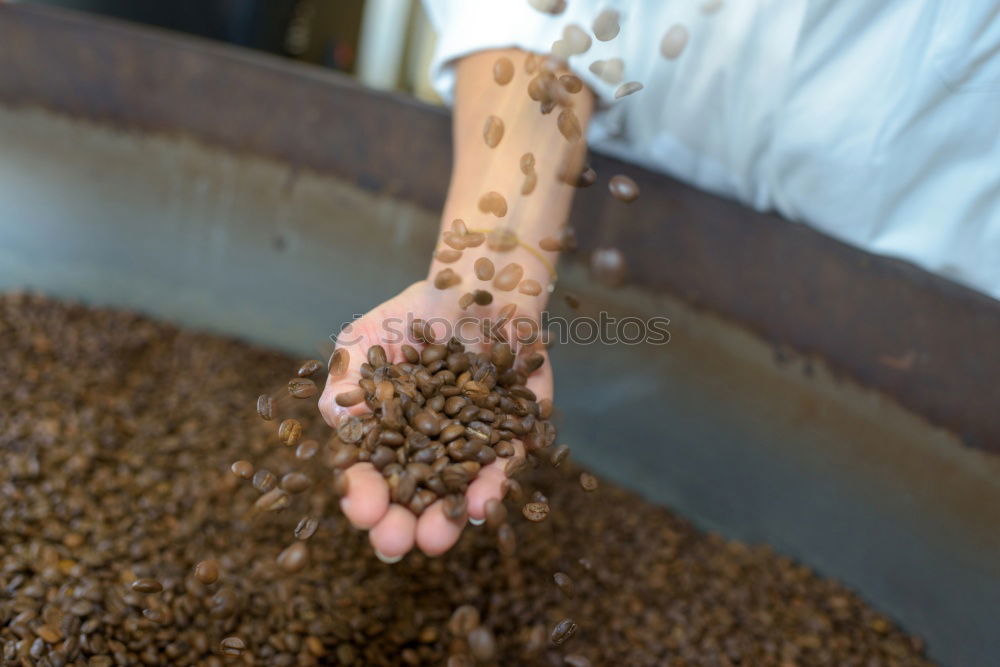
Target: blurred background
387	44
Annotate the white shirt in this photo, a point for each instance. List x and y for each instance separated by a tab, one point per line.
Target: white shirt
876	121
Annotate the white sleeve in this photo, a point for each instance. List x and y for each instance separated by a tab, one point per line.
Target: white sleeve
467	26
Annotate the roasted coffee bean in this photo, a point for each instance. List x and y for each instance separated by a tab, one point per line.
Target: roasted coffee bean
569	125
563	632
612	71
147	586
453	241
377	356
402	487
674	41
264	480
242	469
504	448
350	398
295	482
588	482
422	499
367	371
224	603
432	353
463	620
232	647
515	465
529	183
608	266
565	584
559	455
527	163
382	456
482	297
503	71
535	512
553	7
538	497
274	500
502	240
540	86
508	277
384	391
623	188
465	300
529	287
306	527
447	256
446	279
550	244
484	269
506	540
294	558
493	131
410	354
422	331
339	482
306	450
627	89
577	38
351	431
474	239
493	202
265	407
482	644
606	26
339	362
496	513
452	431
345	456
302	388
572	301
289	432
309	368
207	571
454	507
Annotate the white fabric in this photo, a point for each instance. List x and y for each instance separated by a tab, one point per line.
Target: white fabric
877	121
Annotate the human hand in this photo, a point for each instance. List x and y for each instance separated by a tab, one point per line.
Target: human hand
393	528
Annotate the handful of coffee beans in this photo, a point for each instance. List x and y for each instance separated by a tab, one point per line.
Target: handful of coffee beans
439	416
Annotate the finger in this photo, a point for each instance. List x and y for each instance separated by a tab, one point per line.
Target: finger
488	484
435	532
367	498
393	536
346	380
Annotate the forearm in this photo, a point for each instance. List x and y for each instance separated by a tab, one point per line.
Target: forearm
478	169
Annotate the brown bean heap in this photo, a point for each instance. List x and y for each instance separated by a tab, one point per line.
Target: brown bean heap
440	416
117	436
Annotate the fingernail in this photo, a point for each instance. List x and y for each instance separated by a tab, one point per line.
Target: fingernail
386	559
476	522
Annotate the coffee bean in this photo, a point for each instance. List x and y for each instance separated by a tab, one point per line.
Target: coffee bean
410	354
302	388
446	279
529	183
496	513
538	497
349	398
463	620
503	71
572	301
484	269
339	483
539	88
242	469
306	527
612	71
232	647
289	432
571	83
563	632
565	584
482	297
502	240
527	163
674	41
264	480
608	266
482	644
605	26
493	202
294	558
493	131
453	241
569	125
553	7
339	362
274	500
515	465
623	188
295	482
535	512
508	277
506	540
147	586
308	368
588	482
454	507
351	431
504	448
447	256
432	353
422	331
465	300
561	50
377	356
207	571
265	407
473	239
529	287
559	455
627	89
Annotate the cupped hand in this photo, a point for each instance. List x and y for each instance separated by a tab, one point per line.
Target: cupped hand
393	528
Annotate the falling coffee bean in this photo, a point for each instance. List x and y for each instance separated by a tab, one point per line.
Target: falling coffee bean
493	131
608	266
571	83
242	469
454	507
306	528
503	71
295	482
465	300
207	572
265	407
605	26
588	482
612	71
264	481
502	240
289	432
564	584
623	188
463	620
527	163
302	388
529	287
577	38
422	331
496	513
506	540
274	500
508	277
572	301
147	586
339	362
232	647
627	89
482	644
484	268
294	558
482	297
529	183
308	368
559	455
349	398
493	202
535	512
569	125
553	7
550	244
448	255
563	632
674	41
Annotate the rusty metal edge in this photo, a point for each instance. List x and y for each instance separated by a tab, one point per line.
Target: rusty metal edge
929	343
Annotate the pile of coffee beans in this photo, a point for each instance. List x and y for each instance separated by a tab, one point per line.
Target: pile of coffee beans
126	539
